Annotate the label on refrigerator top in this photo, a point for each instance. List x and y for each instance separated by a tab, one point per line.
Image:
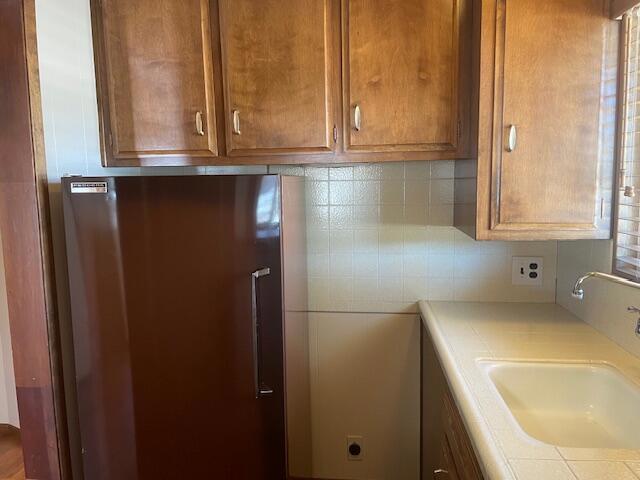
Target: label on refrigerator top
88	187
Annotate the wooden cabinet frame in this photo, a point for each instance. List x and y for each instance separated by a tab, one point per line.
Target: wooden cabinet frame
26	245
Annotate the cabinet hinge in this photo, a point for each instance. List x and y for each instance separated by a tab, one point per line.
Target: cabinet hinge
335	134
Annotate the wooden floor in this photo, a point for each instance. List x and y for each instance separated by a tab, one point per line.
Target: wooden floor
11	464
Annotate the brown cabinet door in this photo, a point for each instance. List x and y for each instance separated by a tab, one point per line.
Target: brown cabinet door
432	432
155	80
401	66
461	457
446	452
278	61
448	471
556	94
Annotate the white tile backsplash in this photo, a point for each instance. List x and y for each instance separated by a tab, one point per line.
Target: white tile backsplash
605	303
391	242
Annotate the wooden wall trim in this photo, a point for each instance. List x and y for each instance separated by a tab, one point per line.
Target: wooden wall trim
24	224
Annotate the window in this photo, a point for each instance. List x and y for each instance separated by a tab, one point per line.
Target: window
627	238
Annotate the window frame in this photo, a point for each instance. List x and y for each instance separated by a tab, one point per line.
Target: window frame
621	123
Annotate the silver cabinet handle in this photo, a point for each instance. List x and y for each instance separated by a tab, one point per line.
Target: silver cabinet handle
199	124
512	138
236	122
440	471
357	117
260	389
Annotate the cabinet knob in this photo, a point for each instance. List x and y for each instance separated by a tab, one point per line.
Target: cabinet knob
512	138
236	122
199	124
357	117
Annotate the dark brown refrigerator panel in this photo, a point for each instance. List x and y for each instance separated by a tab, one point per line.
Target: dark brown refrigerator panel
173	328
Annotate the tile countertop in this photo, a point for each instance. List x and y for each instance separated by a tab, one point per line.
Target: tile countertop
463	333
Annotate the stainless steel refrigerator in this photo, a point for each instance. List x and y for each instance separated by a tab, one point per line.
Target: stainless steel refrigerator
188	298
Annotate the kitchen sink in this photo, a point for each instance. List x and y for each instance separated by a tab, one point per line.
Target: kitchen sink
570	405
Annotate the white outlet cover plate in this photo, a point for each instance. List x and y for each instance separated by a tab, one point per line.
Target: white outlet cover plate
523	267
360	441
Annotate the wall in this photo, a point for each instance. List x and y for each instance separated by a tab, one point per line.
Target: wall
605	304
379	238
365	382
8	398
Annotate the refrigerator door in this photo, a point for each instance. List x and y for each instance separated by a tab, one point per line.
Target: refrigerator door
174	329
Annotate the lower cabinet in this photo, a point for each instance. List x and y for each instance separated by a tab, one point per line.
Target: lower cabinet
447	468
446	450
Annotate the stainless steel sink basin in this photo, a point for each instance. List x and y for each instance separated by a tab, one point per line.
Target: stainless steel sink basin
570	405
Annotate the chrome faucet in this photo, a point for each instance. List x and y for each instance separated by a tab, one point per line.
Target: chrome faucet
578	291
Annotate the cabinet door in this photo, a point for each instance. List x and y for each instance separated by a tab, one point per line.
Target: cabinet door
432	431
446	452
556	94
155	80
448	470
401	66
462	460
278	68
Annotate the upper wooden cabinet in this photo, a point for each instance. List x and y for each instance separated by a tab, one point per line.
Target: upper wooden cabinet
273	70
155	81
279	66
405	75
546	126
521	92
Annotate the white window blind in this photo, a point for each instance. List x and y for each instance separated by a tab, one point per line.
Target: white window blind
627	247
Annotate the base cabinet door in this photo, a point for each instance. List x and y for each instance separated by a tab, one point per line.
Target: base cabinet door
461	459
155	81
432	434
447	470
402	75
279	76
446	452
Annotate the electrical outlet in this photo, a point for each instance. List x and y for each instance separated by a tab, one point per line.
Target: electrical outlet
527	271
355	447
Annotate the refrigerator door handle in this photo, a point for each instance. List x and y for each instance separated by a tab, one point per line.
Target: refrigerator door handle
260	389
